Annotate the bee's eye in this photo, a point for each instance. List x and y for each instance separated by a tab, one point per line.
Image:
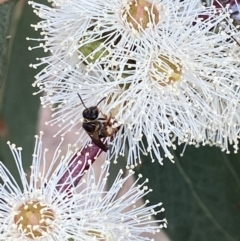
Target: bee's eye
94	113
91	113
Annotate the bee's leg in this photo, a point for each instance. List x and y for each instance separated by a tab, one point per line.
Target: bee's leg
108	120
104	115
102	119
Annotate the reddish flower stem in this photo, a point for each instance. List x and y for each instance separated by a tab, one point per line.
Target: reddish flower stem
77	167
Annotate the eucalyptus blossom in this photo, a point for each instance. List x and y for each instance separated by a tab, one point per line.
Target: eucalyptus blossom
53	203
163	67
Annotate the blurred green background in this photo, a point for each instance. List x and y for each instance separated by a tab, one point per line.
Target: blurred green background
18	107
200	192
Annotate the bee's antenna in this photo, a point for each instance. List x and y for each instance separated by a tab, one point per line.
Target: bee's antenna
82	101
101	101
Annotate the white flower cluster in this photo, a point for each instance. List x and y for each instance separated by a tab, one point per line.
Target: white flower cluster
39	209
164	67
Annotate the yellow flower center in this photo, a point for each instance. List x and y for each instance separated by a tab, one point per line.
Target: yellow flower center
34	219
166	71
140	14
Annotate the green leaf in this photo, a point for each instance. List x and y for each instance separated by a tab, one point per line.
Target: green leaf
89	51
200	192
5	17
19	113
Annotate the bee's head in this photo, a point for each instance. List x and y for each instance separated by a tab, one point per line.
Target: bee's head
91	113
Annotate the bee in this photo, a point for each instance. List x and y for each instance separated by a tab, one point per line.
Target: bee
98	127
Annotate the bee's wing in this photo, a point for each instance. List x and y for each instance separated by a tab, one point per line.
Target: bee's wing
97	141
